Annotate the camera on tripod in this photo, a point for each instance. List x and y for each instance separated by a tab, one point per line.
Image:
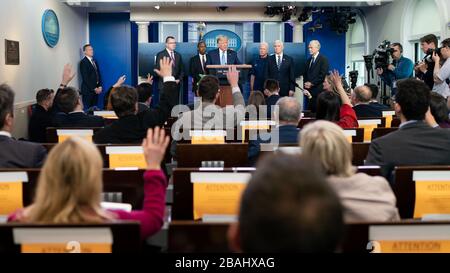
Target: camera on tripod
381	55
353	75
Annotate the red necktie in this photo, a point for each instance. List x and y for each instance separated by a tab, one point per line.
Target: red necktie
173	58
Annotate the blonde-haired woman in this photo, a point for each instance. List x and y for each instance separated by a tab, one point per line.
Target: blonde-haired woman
70	186
328	85
364	197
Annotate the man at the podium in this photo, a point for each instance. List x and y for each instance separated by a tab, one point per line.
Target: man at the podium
223	55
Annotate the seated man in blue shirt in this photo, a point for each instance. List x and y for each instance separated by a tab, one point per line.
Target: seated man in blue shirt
288	113
401	68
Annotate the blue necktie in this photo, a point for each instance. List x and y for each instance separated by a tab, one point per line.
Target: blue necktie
312	62
222	61
279	62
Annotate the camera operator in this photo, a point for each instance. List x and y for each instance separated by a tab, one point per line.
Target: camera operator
401	68
424	70
442	72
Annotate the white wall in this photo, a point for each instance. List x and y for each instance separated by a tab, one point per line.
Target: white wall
40	66
392	22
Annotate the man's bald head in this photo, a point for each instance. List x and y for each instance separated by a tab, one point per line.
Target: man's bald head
362	94
289	110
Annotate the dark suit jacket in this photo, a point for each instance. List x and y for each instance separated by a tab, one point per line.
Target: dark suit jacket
284	76
177	71
317	73
20	154
428	77
195	69
88	76
380	106
78	119
133	128
413	144
142	107
270	102
214	57
287	134
367	111
39	121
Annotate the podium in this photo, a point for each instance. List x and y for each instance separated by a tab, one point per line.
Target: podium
226	96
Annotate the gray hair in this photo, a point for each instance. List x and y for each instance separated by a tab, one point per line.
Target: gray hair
278	42
362	93
264	44
289	109
315	43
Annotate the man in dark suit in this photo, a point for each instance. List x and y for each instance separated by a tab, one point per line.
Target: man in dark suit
14	153
415	142
71	112
361	98
91	81
41	118
374	101
222	56
281	68
131	127
288	114
177	65
315	72
197	65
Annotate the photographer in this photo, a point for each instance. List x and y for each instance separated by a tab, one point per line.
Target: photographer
424	70
442	72
401	68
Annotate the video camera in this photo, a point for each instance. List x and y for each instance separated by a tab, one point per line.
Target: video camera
381	55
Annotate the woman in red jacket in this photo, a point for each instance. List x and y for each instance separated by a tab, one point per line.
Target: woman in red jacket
336	106
70	186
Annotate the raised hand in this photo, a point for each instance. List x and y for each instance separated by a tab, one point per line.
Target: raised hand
436	58
165	67
150	78
68	74
120	81
233	76
336	78
154	147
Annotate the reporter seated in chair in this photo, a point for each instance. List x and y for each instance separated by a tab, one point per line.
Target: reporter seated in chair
288	114
70	186
335	105
416	142
70	104
15	153
361	98
289	207
364	197
42	116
